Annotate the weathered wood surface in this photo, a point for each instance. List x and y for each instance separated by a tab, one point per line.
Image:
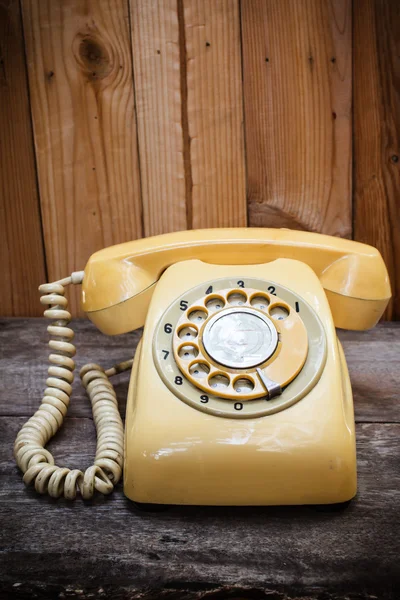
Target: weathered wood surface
108	549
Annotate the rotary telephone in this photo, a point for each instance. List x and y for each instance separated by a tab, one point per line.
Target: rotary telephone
239	392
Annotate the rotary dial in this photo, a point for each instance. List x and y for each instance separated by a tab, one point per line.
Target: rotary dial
240	343
239	347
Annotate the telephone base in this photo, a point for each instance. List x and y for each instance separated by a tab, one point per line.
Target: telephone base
178	454
323	508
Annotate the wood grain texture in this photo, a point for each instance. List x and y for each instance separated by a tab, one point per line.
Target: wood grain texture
106	548
297	74
21	244
191	552
80	74
215	113
377	133
190	116
160	114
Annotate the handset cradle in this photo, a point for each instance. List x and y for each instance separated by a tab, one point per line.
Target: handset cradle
120	281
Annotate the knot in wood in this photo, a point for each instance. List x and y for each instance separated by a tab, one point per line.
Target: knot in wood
94	58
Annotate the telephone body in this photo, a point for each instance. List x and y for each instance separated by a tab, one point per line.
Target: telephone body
239	392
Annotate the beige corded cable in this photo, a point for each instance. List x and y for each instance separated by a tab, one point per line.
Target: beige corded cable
33	459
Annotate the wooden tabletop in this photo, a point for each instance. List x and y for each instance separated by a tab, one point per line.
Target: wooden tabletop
107	548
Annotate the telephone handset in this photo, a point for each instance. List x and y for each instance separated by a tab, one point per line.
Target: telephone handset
239	391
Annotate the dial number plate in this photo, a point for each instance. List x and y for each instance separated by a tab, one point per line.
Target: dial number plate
169	327
220	341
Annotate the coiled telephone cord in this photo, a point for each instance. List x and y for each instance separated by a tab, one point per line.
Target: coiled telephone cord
33	459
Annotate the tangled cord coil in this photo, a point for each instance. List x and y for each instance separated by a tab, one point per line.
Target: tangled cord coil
33	459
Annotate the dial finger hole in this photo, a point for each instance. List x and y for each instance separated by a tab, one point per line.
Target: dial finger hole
188	352
187	333
260	301
237	298
218	382
198	316
279	313
215	303
199	370
243	386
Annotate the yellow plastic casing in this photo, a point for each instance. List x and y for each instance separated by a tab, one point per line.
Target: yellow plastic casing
120	281
176	454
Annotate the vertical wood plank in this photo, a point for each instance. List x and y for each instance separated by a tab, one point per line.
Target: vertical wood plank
215	113
187	63
21	245
377	133
160	112
297	90
80	73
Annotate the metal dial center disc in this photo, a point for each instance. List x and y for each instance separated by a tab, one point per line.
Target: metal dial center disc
240	338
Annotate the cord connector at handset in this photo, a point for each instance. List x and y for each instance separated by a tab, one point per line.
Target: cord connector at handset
33	459
77	277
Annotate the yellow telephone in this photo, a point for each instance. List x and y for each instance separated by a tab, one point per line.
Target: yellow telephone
239	393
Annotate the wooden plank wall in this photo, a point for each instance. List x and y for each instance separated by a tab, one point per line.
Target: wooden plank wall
188	82
21	244
377	133
82	101
127	118
297	89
